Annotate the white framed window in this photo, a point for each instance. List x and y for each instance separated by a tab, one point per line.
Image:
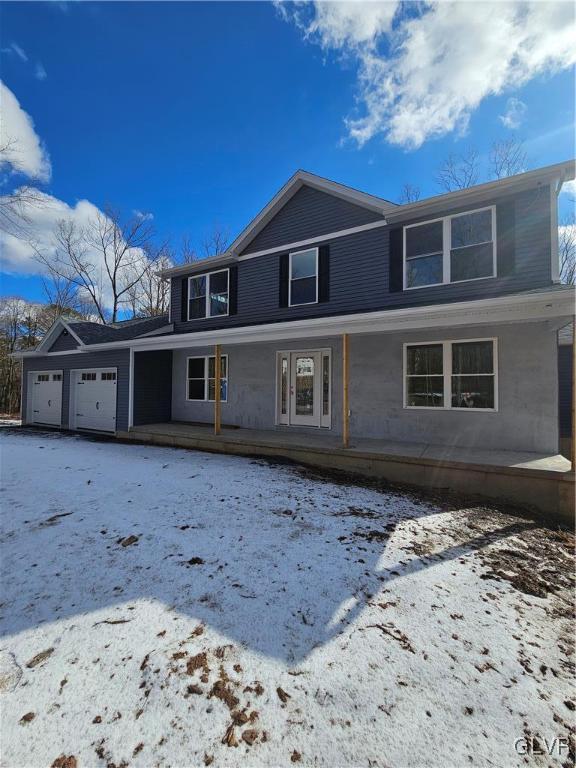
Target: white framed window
452	375
201	378
303	277
451	249
209	295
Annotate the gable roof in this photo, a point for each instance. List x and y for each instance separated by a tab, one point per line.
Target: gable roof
292	186
87	333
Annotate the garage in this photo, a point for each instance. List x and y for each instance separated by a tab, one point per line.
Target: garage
45	393
93	399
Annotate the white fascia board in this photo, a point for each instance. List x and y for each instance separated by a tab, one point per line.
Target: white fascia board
52	333
202	265
504	309
546	175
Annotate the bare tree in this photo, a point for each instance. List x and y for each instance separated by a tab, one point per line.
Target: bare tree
186	253
104	260
15	206
409	194
507	157
567	249
150	295
19	330
216	241
459	171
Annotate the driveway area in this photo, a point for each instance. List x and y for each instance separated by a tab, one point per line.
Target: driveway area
164	607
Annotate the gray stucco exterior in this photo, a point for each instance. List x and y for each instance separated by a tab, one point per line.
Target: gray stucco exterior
527	418
119	359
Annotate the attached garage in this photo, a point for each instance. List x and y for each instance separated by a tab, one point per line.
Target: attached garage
45	397
93	395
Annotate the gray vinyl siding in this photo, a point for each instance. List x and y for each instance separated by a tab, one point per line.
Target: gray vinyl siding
64	343
359	275
310	213
152	386
565	389
526	420
119	359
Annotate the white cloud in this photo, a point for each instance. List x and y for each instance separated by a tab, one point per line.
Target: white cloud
515	113
423	68
39	72
19	253
24	150
15	49
145	215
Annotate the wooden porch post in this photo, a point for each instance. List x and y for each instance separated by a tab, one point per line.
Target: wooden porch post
573	447
345	393
217	377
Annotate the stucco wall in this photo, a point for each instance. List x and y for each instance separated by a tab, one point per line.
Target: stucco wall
527	418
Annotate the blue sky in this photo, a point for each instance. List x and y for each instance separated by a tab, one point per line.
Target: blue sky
199	112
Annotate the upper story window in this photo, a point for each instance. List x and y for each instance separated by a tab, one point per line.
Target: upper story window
303	278
208	294
451	249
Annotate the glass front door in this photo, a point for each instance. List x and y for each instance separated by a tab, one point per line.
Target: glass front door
304	388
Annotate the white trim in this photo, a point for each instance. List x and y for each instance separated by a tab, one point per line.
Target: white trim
554	245
314	240
48	340
292	186
437	203
206	378
447	374
447	249
283	420
33	353
290	279
509	308
208	276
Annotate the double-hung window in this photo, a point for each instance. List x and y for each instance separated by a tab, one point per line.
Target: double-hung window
208	295
450	250
303	278
201	378
451	375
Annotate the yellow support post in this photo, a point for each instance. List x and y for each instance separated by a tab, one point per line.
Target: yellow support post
217	386
573	448
345	392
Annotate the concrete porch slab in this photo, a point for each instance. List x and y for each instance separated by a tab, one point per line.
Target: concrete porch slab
536	481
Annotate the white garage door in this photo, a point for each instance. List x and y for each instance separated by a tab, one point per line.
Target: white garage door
46	397
94	400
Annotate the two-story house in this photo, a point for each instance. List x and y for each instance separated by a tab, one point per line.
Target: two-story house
336	313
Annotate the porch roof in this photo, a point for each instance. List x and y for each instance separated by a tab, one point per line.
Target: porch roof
555	304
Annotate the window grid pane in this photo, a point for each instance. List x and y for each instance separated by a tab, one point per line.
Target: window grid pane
471	229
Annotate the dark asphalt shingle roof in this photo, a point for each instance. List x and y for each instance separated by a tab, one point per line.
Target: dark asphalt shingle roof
96	333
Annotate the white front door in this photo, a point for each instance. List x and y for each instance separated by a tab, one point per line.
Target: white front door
95	399
47	398
305	388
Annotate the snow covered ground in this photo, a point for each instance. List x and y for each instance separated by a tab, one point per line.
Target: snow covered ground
177	608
